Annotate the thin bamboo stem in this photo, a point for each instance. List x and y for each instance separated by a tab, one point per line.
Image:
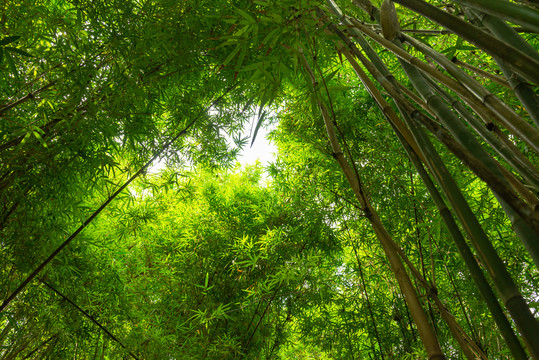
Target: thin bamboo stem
510	120
506	287
521	88
480	169
480	72
511	154
142	170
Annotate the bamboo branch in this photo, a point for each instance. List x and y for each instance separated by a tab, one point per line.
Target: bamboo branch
90	317
142	170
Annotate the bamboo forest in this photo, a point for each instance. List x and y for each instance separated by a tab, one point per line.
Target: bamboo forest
397	219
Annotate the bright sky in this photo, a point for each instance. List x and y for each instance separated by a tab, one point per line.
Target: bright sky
262	150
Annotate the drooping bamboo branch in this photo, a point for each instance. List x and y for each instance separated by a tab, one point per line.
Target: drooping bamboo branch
90	317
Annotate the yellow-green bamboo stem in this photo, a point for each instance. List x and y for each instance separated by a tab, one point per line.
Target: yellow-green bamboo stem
505	149
512	298
482	73
480	169
521	88
471	264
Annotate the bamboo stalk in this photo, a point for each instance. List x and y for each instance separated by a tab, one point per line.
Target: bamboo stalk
500	187
515	124
511	119
482	73
506	287
427	335
469	259
521	88
475	231
518	14
471	264
463	136
502	280
513	58
511	154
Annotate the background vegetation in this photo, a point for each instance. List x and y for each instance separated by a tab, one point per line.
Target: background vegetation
398	220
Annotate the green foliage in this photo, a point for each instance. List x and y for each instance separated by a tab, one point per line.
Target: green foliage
206	259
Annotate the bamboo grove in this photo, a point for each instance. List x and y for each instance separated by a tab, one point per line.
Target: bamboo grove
400	218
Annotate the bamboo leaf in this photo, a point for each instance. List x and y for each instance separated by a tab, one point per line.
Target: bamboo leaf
9	39
18	51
